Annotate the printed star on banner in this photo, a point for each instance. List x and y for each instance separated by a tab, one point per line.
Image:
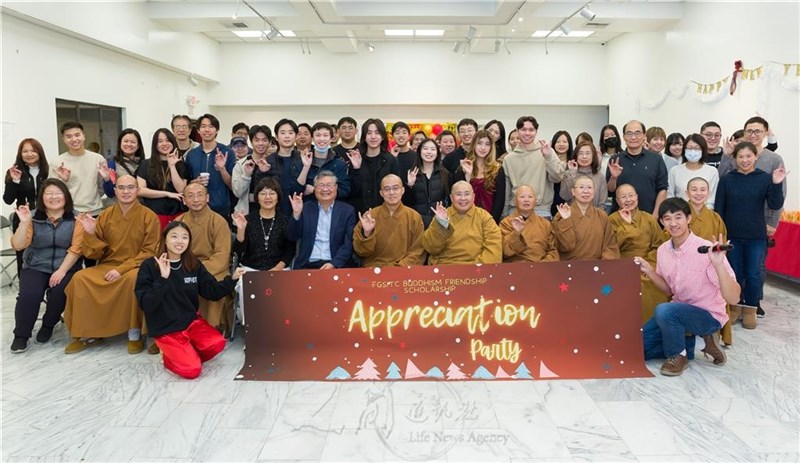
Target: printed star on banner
606	290
563	287
402	345
287	322
268	292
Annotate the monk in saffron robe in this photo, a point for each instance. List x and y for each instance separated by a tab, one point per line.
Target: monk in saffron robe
390	234
100	299
526	236
211	244
582	230
638	234
462	233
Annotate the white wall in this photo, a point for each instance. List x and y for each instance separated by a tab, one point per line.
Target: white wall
703	48
411	74
40	65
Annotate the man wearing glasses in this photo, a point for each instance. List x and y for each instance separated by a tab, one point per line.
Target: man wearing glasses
324	227
642	169
182	129
712	132
390	234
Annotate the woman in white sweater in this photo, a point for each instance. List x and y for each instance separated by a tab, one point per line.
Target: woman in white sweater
695	155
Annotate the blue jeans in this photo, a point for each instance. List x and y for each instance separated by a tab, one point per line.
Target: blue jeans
664	334
746	259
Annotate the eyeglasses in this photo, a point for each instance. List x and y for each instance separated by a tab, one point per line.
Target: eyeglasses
712	135
754	132
125	187
635	134
325	186
388	189
54	194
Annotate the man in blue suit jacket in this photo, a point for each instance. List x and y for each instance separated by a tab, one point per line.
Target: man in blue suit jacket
324	227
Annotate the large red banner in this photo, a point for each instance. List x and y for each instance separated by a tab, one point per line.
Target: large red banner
521	321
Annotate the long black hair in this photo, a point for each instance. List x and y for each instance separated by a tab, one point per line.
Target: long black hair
500	144
155	173
381	128
120	158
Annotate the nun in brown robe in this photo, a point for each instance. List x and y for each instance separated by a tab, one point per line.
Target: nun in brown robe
583	231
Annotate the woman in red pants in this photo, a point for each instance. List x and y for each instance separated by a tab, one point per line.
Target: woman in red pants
167	289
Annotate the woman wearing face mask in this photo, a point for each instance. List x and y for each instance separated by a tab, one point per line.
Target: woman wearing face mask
610	145
695	154
428	183
481	169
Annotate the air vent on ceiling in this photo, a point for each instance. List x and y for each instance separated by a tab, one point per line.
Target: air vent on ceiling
596	25
236	25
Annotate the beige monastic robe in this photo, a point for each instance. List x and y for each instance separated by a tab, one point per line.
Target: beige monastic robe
708	225
211	244
641	237
470	238
395	241
582	237
536	242
97	308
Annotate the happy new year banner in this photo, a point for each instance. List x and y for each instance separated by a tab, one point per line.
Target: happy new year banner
519	321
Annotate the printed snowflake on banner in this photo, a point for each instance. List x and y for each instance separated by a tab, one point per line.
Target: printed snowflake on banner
606	290
268	292
563	287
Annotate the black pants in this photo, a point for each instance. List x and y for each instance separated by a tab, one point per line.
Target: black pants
32	286
316	264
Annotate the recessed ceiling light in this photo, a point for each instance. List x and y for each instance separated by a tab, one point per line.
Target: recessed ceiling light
248	34
288	33
429	32
540	34
398	32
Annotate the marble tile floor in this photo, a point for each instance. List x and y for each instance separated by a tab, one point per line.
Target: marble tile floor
104	405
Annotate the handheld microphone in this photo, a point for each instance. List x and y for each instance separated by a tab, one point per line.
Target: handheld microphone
717	248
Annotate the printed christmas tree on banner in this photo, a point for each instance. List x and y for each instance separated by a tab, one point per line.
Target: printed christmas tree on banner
393	372
482	373
368	371
523	372
338	373
454	372
434	372
412	371
501	373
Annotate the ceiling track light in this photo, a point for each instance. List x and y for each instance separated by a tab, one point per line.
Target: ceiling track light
272	34
456	47
370	47
564	29
192	80
497	46
471	32
587	13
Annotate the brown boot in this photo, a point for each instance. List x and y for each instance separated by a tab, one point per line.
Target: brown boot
674	365
749	317
714	349
736	313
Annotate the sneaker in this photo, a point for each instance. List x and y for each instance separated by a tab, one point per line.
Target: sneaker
760	312
713	349
44	334
674	365
19	345
153	349
134	347
79	345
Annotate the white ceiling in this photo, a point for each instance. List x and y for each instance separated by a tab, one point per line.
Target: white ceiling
345	26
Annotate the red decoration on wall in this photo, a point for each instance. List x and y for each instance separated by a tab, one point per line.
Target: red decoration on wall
737	69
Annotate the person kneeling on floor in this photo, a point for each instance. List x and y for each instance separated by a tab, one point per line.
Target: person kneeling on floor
699	286
167	289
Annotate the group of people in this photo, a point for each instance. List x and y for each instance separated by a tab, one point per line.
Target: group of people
158	260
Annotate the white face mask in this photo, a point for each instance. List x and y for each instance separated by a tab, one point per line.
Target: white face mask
693	155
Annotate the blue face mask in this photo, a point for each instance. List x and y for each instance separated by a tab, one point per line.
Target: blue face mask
693	155
320	150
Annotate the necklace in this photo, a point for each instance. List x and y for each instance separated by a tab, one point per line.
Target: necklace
180	264
266	233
